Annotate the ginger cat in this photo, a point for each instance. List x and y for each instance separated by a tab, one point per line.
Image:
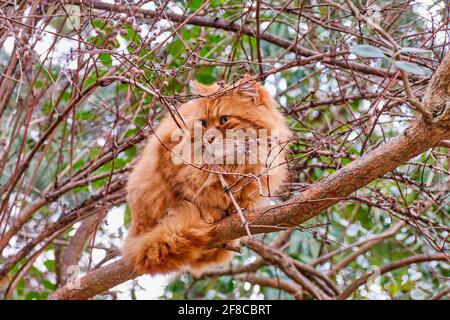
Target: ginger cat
175	202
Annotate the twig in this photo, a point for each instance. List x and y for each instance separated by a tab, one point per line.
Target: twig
235	204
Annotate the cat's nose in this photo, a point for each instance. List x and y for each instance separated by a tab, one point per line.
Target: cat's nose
211	139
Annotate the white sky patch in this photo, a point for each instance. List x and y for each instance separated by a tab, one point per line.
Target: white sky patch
256	295
303	27
362	261
282	84
347	23
431	10
164	36
270	86
75	226
145	31
61	49
271	89
34	134
376	292
324	35
97	255
174	8
101	142
8	45
115	218
270	79
414	274
152	287
149	6
352	230
123	44
249	259
291	30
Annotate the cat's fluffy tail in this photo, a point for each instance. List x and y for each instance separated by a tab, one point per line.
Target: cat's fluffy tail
177	242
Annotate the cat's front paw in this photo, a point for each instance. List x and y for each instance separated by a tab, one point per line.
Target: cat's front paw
209	219
153	256
214	215
166	256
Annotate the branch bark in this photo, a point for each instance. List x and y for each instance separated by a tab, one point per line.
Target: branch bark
96	282
72	253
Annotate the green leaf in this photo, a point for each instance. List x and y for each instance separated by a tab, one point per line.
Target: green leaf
105	59
131	35
38	84
50	265
33	296
411	68
20	287
415	50
97	184
367	51
98	23
78	165
127	216
206	75
84	115
49	285
66	96
194	5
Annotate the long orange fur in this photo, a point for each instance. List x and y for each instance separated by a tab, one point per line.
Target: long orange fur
174	206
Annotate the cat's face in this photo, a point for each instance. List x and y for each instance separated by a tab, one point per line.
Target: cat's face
244	105
232	120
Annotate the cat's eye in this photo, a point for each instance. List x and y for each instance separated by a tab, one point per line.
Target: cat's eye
203	123
224	119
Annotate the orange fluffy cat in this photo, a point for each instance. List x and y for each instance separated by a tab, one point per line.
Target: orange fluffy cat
174	204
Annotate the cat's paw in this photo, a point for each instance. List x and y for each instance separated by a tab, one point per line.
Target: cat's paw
214	215
157	258
152	256
209	218
166	256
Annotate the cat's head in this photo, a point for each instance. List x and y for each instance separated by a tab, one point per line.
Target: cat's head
241	105
233	119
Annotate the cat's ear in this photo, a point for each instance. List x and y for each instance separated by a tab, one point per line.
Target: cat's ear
249	87
202	89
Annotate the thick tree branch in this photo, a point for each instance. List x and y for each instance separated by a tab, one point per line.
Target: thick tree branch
72	253
96	282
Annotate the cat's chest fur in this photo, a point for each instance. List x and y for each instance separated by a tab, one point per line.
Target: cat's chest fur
206	191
